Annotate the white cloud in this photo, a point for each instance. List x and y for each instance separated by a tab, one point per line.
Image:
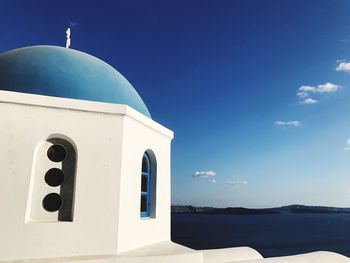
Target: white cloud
203	174
302	94
308	101
343	66
212	181
288	123
347	147
237	183
327	87
306	89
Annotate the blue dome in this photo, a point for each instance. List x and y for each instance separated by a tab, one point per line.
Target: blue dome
67	73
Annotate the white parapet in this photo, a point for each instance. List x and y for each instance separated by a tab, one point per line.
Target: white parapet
230	255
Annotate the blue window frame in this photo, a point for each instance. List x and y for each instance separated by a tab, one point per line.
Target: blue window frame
145	208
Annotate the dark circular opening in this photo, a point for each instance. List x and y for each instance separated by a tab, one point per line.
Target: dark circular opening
54	177
56	153
52	202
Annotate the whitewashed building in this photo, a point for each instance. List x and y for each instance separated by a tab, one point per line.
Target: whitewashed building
85	171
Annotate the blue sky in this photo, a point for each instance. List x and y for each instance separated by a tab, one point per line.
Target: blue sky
224	76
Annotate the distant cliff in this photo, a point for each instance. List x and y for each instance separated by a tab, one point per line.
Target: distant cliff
314	209
186	209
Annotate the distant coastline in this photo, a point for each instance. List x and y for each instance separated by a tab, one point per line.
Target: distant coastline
187	209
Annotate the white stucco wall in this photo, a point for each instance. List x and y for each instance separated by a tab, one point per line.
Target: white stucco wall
104	175
133	231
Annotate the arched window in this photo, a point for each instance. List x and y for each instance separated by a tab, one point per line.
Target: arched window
148	185
53	182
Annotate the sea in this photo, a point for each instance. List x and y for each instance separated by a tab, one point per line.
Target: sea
271	235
